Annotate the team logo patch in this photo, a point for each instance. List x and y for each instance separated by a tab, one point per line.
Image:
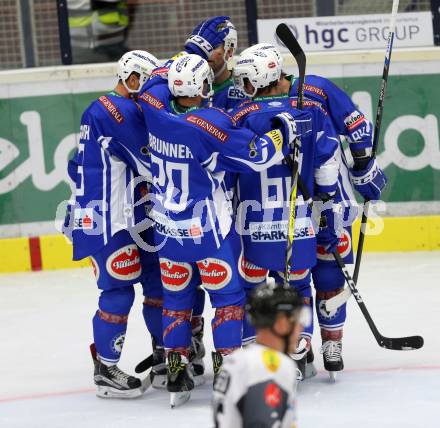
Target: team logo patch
215	273
83	218
250	272
152	100
95	268
272	395
208	127
124	263
118	343
111	108
328	315
354	120
344	248
248	109
175	276
271	360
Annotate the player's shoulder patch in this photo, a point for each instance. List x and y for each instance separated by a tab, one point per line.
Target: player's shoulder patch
245	110
309	103
110	106
315	90
207	126
152	100
271	359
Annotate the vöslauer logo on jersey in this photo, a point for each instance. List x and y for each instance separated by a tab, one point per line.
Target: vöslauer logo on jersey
271	360
215	273
124	263
175	275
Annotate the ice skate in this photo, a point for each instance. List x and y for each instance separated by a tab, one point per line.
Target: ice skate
217	361
112	382
158	373
332	354
179	379
197	353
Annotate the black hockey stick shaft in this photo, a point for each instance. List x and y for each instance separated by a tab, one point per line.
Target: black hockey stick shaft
295	49
377	126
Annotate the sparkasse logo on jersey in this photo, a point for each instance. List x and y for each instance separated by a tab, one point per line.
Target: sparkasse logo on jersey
276	231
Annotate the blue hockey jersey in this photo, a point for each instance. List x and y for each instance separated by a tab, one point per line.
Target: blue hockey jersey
189	156
348	122
227	96
104	195
264	196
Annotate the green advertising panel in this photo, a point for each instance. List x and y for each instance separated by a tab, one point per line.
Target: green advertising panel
37	135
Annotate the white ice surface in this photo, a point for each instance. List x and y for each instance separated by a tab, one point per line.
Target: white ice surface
46	370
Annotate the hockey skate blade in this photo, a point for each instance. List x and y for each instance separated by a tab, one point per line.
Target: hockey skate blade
333	376
179	398
159	381
310	371
109	392
199	380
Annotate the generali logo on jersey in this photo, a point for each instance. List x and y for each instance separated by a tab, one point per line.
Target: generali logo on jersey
215	273
152	100
111	108
248	109
124	263
208	127
175	275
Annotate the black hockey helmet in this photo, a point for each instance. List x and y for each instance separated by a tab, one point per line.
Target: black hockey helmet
268	300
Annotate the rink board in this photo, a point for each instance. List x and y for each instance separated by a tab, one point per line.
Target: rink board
390	234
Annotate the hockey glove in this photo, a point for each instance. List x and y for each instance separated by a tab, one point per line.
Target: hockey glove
369	181
330	227
286	124
207	36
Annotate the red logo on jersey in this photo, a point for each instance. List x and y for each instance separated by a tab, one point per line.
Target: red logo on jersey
208	127
272	395
250	272
315	90
152	100
248	109
124	263
111	108
215	273
175	275
344	248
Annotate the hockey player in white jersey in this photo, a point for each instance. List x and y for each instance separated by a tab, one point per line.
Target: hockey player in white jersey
257	384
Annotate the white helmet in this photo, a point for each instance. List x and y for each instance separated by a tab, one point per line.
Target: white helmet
260	67
140	62
187	76
265	47
231	39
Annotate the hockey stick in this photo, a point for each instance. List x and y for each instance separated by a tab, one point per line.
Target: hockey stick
398	343
338	300
286	36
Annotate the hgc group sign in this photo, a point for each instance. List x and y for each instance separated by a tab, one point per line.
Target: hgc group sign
351	32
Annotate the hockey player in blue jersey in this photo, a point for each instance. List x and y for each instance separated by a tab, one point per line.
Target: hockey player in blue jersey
190	150
103	210
265	226
360	173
